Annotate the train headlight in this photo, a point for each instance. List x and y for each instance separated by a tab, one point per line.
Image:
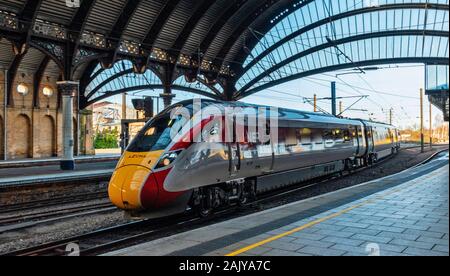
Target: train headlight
166	162
167	159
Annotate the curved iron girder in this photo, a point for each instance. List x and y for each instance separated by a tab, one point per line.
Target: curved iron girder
159	23
75	30
250	19
153	86
129	71
118	29
79	19
264	28
54	49
37	79
339	42
190	26
108	80
444	61
217	26
91	77
253	41
86	77
26	18
213	89
11	76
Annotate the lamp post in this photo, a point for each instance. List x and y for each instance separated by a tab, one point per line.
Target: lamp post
315	103
431	126
422	137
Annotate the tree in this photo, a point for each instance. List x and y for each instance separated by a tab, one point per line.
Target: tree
107	139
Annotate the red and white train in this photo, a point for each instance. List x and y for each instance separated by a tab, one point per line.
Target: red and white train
163	176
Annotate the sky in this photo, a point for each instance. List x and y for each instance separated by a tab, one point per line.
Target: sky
392	86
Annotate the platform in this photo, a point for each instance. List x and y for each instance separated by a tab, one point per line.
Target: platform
97	168
402	214
23	163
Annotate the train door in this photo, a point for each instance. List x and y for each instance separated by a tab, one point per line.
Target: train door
234	149
266	150
353	131
258	151
235	158
362	140
370	140
392	137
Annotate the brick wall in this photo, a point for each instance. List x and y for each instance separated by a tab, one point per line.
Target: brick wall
33	132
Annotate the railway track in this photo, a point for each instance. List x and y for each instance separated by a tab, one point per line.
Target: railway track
112	238
44	203
103	240
13	219
29	214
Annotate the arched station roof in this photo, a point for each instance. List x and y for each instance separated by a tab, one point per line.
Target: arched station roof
225	49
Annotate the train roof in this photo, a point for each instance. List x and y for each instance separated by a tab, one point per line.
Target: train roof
373	123
287	114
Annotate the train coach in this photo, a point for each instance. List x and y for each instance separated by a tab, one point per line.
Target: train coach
162	174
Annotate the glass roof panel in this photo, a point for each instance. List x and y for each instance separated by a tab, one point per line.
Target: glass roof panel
384	48
274	47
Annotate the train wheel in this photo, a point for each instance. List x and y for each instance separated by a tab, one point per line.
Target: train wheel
205	212
375	159
248	193
348	165
243	199
372	160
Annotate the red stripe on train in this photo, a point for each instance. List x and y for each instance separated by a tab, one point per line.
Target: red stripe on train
154	195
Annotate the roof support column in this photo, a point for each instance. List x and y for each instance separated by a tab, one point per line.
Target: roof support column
229	89
68	90
11	77
333	99
167	96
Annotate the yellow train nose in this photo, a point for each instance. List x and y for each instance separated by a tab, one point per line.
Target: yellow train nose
126	185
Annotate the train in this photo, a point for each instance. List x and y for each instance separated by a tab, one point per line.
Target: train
185	160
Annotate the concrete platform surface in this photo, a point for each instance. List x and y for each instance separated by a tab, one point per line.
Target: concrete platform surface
45	174
403	214
21	163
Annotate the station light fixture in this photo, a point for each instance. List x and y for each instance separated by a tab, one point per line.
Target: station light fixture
48	91
23	89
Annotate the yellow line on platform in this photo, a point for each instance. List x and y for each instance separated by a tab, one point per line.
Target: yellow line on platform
308	225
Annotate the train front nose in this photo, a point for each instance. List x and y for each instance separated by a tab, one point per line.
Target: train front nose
126	187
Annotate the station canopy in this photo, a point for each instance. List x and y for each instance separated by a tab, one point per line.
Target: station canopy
221	49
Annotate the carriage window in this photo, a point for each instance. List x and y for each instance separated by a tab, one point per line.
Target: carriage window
291	137
348	136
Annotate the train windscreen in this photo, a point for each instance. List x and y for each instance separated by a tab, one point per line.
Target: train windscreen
156	135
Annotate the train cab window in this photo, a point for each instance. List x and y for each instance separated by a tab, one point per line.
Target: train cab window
156	135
